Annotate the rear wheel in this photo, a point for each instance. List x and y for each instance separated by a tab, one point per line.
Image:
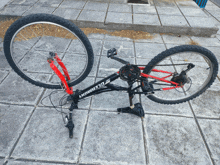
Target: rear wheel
29	40
175	60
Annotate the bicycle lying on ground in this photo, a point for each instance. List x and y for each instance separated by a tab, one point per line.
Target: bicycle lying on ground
38	46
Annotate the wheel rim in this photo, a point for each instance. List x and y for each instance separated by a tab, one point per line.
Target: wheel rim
30	47
198	77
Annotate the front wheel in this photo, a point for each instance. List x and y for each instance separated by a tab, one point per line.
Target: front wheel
29	40
176	60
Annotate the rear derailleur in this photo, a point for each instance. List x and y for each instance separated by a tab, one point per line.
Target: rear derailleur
182	78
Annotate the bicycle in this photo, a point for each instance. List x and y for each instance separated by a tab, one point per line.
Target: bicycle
37	46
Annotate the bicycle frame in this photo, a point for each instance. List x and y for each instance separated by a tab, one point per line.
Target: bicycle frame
97	88
105	86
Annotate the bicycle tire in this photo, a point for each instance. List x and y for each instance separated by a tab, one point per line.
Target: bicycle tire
29	39
203	59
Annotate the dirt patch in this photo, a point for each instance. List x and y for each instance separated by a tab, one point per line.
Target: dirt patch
33	31
4	25
193	43
123	33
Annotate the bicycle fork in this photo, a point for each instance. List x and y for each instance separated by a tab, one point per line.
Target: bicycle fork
64	78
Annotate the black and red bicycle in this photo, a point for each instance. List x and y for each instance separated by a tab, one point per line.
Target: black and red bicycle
39	46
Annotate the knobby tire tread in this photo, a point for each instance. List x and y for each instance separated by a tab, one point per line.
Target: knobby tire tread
178	49
50	18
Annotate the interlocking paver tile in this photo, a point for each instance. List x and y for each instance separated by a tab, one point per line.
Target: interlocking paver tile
67	13
114	1
109	66
168	11
3	74
113	17
24	2
176	39
194	12
96	6
169	3
144	9
2	161
148	50
12	122
205	41
201	22
51	3
218	37
46	138
172	45
215	13
12	162
78	63
157	108
76	47
14	10
202	104
73	4
173	20
146	19
97	46
96	36
3	62
211	130
211	7
97	16
174	140
40	9
14	89
120	8
120	135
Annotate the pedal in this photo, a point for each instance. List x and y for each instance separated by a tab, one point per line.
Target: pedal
137	110
111	52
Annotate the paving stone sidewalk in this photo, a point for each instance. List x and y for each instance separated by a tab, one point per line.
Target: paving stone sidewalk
34	134
179	16
187	133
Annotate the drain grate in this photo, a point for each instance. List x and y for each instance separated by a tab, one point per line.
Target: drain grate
138	1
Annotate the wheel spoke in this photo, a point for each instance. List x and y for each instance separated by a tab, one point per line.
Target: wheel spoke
198	77
31	43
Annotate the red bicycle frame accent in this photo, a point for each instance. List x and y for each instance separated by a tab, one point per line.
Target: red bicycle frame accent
63	79
161	79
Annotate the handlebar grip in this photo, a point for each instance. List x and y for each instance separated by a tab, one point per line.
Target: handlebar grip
70	133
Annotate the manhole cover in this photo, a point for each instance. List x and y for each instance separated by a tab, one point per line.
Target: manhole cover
138	1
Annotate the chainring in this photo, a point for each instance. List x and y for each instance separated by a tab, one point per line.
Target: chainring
129	73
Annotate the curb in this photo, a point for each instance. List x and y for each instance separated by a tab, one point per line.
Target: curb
180	30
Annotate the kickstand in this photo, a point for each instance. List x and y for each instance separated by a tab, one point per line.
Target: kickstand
135	109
